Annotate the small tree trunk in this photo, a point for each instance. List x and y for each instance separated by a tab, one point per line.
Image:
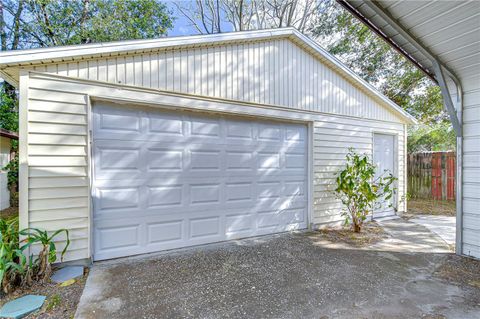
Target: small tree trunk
356	227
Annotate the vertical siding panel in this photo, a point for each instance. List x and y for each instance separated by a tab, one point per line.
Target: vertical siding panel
170	70
93	70
261	71
121	70
73	69
112	70
177	70
162	71
83	69
229	71
146	70
154	70
62	69
129	70
197	71
241	72
204	72
185	71
102	70
271	72
279	66
234	71
216	72
190	74
138	70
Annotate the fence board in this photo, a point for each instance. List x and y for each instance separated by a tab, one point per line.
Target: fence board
431	175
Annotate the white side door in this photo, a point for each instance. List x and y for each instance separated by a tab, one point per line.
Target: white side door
384	159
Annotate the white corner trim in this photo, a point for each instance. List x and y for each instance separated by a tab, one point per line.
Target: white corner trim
23	151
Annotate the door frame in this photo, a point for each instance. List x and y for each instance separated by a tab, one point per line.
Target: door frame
92	100
396	162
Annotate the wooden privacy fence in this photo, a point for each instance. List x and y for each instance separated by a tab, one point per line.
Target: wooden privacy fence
431	175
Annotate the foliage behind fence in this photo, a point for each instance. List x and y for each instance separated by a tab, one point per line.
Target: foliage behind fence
431	175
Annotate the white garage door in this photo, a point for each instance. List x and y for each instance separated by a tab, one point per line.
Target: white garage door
165	180
383	156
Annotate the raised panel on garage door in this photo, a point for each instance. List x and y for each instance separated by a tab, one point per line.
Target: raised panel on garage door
164	179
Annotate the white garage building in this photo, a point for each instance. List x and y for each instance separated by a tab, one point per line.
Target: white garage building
141	146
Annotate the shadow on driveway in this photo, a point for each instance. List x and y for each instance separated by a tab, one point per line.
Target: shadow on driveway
291	275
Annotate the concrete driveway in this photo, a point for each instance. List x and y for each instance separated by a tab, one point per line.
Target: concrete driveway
281	276
443	226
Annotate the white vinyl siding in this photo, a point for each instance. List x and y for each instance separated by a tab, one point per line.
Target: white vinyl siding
333	136
471	167
273	72
58	158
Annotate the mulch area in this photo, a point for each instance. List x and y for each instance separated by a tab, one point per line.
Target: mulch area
61	302
371	233
460	270
431	207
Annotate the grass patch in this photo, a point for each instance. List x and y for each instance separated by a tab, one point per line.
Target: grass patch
371	233
431	207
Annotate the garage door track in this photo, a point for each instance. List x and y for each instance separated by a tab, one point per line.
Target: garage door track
278	276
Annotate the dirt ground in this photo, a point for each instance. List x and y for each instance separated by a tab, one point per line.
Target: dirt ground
61	302
371	233
460	270
9	213
431	207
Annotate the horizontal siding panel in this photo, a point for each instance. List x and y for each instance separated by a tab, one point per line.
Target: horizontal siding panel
58	203
45	117
49	139
57	171
471	175
57	192
78	227
471	205
47	94
57	161
471	190
57	128
48	182
57	107
59	214
55	150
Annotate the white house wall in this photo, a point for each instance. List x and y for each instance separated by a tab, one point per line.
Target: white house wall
273	72
57	152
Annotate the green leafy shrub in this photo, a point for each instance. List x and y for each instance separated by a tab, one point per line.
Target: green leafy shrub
358	189
15	268
13	263
48	253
